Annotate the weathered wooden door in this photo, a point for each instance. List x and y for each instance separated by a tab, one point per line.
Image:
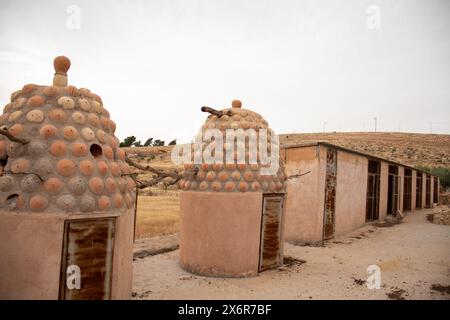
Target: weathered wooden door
330	194
86	266
270	248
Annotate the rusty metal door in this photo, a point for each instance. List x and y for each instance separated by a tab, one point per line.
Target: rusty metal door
270	246
330	194
86	266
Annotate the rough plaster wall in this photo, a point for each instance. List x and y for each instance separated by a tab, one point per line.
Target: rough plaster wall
123	257
383	190
24	274
220	233
351	192
304	205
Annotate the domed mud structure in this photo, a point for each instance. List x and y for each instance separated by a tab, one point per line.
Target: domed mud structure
235	176
232	210
64	181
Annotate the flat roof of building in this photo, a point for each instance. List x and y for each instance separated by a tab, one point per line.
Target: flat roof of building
327	144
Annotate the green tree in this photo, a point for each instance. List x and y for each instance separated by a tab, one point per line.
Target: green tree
148	142
128	141
158	143
442	172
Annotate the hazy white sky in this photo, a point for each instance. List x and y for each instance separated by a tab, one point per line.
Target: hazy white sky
298	63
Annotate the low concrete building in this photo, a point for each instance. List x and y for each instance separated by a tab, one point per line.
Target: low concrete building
333	190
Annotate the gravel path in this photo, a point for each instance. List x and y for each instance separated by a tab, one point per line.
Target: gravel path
413	256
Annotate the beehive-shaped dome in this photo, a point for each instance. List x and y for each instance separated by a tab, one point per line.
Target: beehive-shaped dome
234	176
58	151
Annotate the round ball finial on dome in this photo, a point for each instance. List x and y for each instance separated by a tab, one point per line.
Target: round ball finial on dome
236	104
62	65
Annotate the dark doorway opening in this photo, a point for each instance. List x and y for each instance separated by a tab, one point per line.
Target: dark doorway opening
435	190
407	190
419	187
428	192
393	190
373	191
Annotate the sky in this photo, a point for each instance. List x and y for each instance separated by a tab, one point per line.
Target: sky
305	66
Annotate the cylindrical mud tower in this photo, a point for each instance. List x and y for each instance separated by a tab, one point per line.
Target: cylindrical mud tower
232	212
66	203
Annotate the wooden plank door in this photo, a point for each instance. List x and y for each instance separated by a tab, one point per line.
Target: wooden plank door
270	247
86	267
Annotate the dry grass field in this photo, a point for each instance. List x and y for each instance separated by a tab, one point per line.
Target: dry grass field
157	215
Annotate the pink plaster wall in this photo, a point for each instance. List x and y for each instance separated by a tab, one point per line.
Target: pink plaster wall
351	191
30	255
220	233
123	257
305	194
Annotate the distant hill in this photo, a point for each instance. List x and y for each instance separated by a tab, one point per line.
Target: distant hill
413	149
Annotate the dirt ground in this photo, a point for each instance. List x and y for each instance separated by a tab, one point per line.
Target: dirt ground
414	258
